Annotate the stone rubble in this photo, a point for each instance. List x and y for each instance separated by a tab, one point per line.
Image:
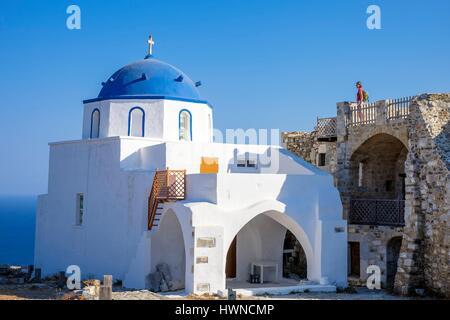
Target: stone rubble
162	281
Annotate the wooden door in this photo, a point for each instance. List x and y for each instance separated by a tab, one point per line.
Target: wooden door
355	258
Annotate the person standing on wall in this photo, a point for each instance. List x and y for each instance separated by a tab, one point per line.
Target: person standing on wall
361	97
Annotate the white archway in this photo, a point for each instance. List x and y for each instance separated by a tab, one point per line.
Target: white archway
285	221
168	247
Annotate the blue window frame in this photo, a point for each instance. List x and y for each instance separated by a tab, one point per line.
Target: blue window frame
185	125
136	122
95	124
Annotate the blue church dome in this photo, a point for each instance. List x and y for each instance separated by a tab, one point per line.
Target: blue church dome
147	79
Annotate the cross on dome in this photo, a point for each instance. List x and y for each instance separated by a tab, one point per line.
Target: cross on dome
151	43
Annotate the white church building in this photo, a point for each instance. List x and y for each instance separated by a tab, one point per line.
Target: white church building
146	185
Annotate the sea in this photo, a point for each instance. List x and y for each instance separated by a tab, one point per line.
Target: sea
17	229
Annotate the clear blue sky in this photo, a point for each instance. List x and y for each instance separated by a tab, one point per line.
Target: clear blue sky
263	64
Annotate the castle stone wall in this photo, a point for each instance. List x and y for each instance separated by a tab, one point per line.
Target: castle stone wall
425	255
424	260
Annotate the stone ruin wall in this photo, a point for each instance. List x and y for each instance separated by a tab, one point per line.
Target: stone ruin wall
308	147
350	139
301	143
425	255
374	241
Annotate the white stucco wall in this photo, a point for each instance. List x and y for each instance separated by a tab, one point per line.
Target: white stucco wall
201	132
142	155
161	119
115	175
114	215
210	274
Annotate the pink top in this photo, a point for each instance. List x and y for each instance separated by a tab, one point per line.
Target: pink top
360	95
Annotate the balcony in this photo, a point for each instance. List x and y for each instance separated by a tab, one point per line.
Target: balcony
377	212
326	129
168	185
381	112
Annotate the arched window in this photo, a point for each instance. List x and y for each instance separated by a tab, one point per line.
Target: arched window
185	125
95	124
136	122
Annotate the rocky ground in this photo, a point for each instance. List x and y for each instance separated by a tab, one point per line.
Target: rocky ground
49	291
32	292
18	283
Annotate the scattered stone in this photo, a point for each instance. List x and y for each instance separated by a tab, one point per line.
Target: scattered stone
155	281
231	294
162	280
165	271
163	286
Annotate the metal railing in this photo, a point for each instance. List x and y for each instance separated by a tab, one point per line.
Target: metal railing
377	212
326	128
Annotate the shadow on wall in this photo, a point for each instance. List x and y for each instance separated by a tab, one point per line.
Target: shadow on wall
168	265
148	158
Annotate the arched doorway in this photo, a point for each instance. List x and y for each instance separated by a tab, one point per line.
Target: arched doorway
168	252
264	240
393	251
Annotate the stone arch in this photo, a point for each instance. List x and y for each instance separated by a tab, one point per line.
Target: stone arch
287	223
168	247
377	168
367	135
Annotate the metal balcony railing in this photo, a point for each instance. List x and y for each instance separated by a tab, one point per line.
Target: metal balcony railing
377	212
326	128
